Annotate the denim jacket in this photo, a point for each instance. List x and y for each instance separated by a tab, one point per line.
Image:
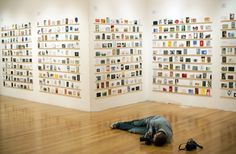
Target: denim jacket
160	124
147	124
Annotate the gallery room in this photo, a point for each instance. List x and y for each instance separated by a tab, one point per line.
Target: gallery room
118	76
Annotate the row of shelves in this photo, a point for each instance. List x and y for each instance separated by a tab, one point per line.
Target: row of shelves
185	21
228	29
16	34
182	59
19	79
58	23
118	57
118	91
116	40
16	27
117	36
182	44
117	83
182	51
60	91
196	91
58	57
18	85
58	30
182	56
228	55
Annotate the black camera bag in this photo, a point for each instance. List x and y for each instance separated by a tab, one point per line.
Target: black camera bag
190	145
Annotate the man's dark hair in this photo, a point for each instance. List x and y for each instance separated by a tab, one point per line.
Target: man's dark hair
160	139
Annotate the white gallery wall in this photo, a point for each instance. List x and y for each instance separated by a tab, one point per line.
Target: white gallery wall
18	12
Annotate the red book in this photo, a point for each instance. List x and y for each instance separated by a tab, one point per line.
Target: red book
184	75
201	43
208	93
97	20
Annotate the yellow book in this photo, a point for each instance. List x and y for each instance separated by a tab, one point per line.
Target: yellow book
56	76
103	21
203	91
169	44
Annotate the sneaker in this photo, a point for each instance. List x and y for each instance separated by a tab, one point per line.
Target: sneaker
114	125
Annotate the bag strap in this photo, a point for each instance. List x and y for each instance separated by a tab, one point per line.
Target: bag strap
181	145
200	146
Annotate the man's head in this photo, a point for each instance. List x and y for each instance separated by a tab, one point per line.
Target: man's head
160	138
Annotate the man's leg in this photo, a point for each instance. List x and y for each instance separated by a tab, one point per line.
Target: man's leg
134	126
123	125
127	125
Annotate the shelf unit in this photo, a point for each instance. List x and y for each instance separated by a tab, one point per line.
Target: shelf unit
182	55
59	57
228	73
228	58
118	57
17	56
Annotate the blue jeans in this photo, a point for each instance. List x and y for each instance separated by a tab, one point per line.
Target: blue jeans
134	126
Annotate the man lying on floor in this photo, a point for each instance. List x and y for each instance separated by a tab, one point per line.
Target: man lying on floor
156	129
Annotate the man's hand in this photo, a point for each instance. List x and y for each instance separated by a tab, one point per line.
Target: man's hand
148	135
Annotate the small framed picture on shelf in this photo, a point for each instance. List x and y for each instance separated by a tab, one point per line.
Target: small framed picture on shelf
223	51
231	34
230	77
98	95
223	76
194	68
190	91
233	25
187	19
155	22
224	34
193	20
231	16
225	26
208	36
207	19
170	22
223	59
229	92
103	21
231	69
223	85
